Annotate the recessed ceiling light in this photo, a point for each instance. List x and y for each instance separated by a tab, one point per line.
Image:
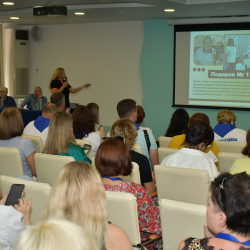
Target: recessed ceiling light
8	3
79	13
13	17
169	10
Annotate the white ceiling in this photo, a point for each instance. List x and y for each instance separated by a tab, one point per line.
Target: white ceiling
122	10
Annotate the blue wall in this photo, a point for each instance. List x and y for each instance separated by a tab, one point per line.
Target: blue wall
157	80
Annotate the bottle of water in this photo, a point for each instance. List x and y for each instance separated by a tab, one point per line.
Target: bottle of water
39	104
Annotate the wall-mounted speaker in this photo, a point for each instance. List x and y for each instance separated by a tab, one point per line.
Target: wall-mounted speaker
36	33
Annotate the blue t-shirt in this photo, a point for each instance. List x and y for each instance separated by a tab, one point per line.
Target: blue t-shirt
31	101
25	147
9	102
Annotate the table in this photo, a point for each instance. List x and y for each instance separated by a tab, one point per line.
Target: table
28	115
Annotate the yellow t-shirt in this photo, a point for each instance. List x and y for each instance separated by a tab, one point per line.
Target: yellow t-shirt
177	142
241	165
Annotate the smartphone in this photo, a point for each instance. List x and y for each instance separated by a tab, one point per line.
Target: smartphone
15	193
86	148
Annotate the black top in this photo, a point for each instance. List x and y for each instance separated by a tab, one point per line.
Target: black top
144	167
57	84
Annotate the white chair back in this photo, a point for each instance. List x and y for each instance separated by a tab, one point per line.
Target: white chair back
230	147
137	148
122	211
10	162
164	152
49	166
164	141
38	192
180	220
135	175
36	141
182	184
82	143
226	160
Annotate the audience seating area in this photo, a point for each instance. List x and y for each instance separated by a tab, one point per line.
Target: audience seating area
36	141
135	175
226	160
164	141
164	152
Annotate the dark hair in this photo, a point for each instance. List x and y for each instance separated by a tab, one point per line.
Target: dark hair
95	109
140	114
57	98
246	149
198	117
229	40
178	124
113	158
83	121
209	38
126	107
199	132
236	192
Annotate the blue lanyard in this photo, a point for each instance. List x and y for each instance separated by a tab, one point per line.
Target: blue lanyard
113	178
231	238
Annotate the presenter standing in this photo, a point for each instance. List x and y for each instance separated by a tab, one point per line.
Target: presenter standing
230	54
59	83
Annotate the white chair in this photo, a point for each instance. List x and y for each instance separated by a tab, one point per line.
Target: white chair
135	175
230	147
164	141
36	141
182	184
10	162
82	143
49	166
164	152
38	192
226	160
180	220
137	148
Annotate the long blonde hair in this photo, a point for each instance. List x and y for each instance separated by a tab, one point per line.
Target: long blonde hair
79	196
60	134
57	74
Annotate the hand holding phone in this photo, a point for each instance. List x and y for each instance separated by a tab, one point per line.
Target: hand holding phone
15	193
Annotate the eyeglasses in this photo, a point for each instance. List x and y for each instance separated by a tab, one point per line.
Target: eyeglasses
121	138
2	92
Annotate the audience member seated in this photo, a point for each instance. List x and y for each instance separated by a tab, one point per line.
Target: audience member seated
84	127
198	137
61	140
58	99
178	124
127	109
40	126
56	234
113	162
126	129
225	130
32	99
178	141
11	129
8	101
79	196
13	220
243	164
95	109
228	221
140	117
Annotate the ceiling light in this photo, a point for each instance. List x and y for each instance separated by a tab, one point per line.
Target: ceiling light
169	10
8	3
79	13
13	17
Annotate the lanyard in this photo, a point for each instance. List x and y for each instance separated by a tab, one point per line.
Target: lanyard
113	178
231	238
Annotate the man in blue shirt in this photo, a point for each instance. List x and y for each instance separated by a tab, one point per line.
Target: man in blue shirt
32	99
8	101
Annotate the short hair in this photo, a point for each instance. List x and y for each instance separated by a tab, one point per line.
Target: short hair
140	114
113	158
4	88
246	149
60	134
95	109
78	195
206	38
11	123
57	74
57	98
236	192
199	132
198	117
50	108
83	121
225	116
37	87
125	108
55	234
125	128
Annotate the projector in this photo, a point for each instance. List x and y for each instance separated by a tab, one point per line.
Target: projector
50	10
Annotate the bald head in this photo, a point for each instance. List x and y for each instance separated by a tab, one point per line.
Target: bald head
3	93
49	110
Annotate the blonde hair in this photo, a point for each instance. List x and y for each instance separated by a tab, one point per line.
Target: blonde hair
225	116
79	196
55	234
60	134
57	74
95	109
125	128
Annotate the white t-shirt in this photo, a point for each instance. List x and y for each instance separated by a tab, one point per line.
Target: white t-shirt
239	66
95	140
203	58
192	158
236	134
231	54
